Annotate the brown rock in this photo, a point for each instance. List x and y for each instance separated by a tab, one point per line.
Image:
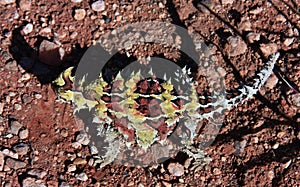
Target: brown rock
98	6
272	81
50	53
227	2
15	164
268	49
6	2
25	5
176	169
236	46
80	161
253	37
79	14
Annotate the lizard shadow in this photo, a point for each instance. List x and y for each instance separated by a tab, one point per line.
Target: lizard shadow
28	58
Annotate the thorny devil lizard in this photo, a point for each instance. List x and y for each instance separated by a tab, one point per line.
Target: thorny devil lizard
138	113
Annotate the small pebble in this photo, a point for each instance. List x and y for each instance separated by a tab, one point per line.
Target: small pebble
25	5
38	96
64	184
275	146
1	107
216	171
7	33
255	139
82	177
16	14
28	28
17	106
272	81
23	134
74	35
21	148
253	37
39	173
82	138
288	41
76	145
49	53
295	99
98	6
11	65
271	175
227	2
161	5
15	126
281	134
166	184
12	94
64	133
71	168
79	14
10	153
6	2
80	161
268	49
7	184
1	161
236	46
30	182
25	77
245	25
287	164
240	145
91	162
256	10
15	164
119	18
26	98
46	30
187	162
280	18
93	150
76	1
176	169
